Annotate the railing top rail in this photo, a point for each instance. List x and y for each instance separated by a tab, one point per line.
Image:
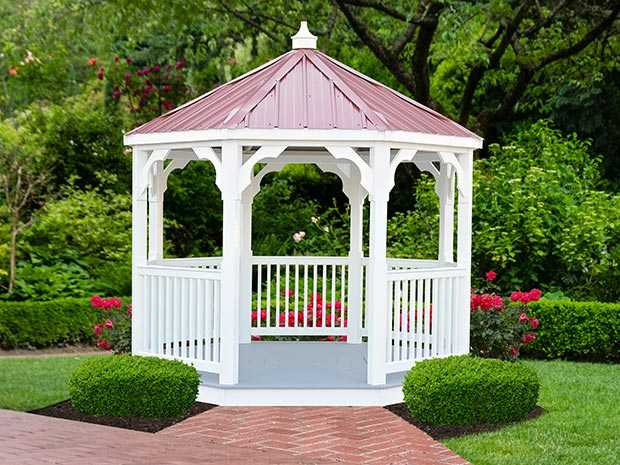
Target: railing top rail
179	272
299	260
403	275
192	260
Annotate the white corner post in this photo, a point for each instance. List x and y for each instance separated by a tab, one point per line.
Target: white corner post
156	211
245	306
356	213
445	189
377	265
464	233
138	247
231	262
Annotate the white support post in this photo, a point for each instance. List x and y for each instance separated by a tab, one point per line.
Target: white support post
245	306
156	212
446	213
354	313
377	267
138	248
231	262
464	250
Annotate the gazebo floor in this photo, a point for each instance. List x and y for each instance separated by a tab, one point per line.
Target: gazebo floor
301	373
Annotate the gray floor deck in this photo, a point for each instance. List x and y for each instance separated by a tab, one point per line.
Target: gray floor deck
297	365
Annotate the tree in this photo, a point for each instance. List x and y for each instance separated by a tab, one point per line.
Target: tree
22	184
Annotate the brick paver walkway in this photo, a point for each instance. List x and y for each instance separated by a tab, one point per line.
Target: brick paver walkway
354	435
228	435
27	439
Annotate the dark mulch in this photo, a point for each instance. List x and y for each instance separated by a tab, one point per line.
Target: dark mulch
444	432
65	410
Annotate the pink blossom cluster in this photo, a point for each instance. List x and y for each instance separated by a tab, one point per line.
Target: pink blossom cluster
526	297
105	304
486	302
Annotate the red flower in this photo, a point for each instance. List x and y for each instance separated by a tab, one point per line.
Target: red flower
166	87
128	60
486	302
104	344
255	338
155	68
534	323
92	61
100	73
523	318
96	301
13	71
129	310
528	337
491	275
98	330
109	324
116	93
168	105
514	352
534	295
180	64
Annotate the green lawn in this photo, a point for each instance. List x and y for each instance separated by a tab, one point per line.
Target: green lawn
581	425
34	382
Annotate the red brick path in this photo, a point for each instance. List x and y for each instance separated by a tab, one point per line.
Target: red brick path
27	439
354	435
228	435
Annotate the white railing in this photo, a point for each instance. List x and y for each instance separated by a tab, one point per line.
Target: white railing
181	313
424	311
206	263
299	296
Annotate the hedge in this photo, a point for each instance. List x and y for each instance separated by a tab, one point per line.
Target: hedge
132	386
588	331
464	390
42	324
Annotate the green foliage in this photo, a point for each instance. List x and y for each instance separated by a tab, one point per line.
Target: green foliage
44	324
131	386
465	390
78	245
576	330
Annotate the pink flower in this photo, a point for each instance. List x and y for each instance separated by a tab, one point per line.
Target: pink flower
534	323
129	310
514	352
104	344
516	296
92	61
486	302
523	318
180	64
96	301
256	338
109	324
491	275
528	337
98	329
534	295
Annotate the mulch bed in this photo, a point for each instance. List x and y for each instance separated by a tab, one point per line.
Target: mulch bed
65	410
444	432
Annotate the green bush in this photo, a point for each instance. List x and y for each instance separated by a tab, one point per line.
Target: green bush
131	386
576	330
464	390
43	324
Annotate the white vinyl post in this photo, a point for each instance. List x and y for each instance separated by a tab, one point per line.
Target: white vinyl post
377	266
156	212
231	258
138	248
446	213
354	313
245	305
464	250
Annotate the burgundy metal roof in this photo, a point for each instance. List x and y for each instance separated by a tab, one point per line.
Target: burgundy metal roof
304	88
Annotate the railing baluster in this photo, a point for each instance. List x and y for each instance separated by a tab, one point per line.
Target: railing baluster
159	348
286	296
405	320
390	317
397	320
296	295
210	313
277	295
176	351
192	319
324	296
305	309
427	310
259	297
333	297
344	296
314	296
217	310
268	289
434	311
412	321
418	317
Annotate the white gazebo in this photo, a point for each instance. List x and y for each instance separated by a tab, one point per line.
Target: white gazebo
384	314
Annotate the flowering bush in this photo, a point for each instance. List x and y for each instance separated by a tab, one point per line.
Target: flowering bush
333	314
114	332
498	330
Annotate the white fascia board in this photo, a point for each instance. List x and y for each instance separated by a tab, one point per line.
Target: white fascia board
303	137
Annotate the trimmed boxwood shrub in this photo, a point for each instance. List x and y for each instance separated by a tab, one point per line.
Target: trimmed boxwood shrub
464	390
576	330
43	324
132	386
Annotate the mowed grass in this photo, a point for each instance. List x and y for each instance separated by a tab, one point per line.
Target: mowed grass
580	426
28	383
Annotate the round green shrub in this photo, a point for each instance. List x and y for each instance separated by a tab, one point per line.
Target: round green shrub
464	390
131	386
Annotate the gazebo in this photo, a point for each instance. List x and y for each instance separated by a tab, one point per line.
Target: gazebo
383	314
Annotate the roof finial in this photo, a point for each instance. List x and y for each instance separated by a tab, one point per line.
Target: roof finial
304	38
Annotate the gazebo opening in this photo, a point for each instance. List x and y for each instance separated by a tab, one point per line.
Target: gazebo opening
305	330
